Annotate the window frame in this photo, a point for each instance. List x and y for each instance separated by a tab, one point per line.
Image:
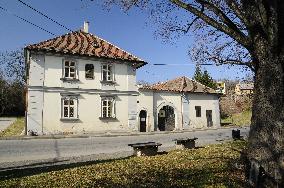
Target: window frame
198	111
92	73
75	67
109	108
110	78
75	107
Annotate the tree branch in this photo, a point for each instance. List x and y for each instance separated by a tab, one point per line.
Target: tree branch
234	6
184	30
227	29
220	61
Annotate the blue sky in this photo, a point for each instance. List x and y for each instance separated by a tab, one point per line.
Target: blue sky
128	31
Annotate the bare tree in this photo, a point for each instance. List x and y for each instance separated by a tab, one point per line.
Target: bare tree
12	83
237	32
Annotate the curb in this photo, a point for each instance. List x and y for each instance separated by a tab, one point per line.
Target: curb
112	134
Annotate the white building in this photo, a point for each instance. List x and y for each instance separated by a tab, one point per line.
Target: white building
80	83
179	104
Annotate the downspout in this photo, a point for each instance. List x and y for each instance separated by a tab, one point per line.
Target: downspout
181	110
43	84
27	62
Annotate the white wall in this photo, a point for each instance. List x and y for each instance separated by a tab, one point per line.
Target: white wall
124	75
44	99
89	111
184	108
145	102
35	93
207	102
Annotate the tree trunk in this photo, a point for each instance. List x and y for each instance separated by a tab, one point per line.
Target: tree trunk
266	137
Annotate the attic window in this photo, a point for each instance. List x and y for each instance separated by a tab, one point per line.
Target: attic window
89	71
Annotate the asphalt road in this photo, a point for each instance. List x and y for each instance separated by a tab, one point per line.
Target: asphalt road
41	149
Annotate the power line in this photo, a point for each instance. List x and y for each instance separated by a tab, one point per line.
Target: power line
44	15
23	19
162	64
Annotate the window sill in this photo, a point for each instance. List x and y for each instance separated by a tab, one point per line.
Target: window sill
107	118
69	79
69	119
108	82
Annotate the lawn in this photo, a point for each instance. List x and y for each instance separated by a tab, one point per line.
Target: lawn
211	166
15	129
239	119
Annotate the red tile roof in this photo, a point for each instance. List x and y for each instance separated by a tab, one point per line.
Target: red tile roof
181	84
85	44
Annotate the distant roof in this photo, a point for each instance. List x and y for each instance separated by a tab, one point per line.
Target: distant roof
180	84
246	86
85	44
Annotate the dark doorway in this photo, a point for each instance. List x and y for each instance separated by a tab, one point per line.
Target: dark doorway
166	119
142	119
209	118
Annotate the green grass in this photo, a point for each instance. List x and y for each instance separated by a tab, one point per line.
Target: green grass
240	119
212	166
15	129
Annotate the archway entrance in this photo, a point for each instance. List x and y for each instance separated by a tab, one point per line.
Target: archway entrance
142	120
166	118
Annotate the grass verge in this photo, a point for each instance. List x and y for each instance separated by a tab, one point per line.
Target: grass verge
15	129
239	119
211	166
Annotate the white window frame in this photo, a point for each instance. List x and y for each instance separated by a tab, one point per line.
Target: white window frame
70	106
108	107
69	67
109	71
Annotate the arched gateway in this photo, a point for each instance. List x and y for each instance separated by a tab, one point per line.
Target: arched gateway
166	118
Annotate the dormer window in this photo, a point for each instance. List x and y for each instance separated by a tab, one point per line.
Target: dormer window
107	73
69	69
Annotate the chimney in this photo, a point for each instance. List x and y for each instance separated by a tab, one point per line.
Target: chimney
86	27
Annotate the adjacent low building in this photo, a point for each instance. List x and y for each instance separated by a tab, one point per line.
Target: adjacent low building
178	104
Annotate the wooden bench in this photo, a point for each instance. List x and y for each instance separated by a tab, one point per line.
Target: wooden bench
145	149
185	143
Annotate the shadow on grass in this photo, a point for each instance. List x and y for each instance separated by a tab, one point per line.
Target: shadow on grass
176	178
34	169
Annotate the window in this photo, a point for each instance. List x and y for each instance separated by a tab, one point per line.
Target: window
107	72
69	107
70	69
198	111
89	71
108	107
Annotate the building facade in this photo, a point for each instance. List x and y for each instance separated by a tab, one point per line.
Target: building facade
80	83
178	104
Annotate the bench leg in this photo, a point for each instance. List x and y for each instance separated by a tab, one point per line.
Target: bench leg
186	145
148	151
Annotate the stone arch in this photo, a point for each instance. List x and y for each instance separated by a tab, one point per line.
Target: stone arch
166	117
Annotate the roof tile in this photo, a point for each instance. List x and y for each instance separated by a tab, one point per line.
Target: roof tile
180	84
86	44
